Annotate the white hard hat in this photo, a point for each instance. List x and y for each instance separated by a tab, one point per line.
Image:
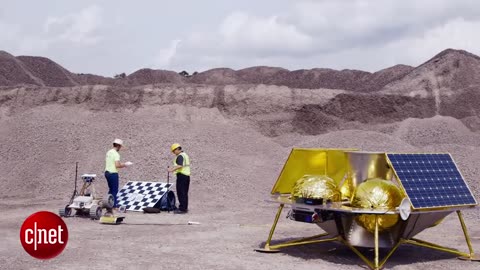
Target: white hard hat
118	141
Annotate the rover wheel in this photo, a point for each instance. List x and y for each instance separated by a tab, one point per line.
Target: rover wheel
108	202
65	212
95	212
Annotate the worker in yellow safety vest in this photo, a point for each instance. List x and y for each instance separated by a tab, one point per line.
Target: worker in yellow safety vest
181	167
112	164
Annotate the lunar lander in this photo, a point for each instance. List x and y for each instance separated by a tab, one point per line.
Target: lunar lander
370	199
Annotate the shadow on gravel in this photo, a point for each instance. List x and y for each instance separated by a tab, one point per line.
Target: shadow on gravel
338	253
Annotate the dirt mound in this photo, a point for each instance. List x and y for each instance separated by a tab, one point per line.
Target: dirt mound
472	123
378	108
306	79
81	135
461	104
359	139
91	79
321	78
217	76
376	81
260	74
436	130
12	72
353	80
51	73
363	108
151	76
310	119
448	72
272	109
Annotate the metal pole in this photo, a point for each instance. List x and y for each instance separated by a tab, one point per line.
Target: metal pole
75	188
267	244
76	175
168	175
168	190
298	243
376	242
465	232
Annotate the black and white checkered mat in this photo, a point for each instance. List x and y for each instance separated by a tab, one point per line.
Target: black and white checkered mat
137	195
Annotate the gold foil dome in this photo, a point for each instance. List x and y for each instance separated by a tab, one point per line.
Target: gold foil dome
315	187
377	194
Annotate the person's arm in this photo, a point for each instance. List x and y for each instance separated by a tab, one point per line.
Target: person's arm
178	161
119	165
174	168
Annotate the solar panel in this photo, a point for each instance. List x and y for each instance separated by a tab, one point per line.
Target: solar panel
431	180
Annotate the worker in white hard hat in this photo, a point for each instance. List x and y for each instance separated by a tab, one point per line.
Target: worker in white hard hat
181	167
112	164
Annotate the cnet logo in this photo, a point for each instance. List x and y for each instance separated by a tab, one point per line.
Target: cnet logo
44	235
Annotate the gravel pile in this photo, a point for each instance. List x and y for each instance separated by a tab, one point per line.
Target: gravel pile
352	80
40	147
44	131
321	78
238	138
261	75
12	72
376	81
218	76
462	104
436	130
49	72
371	109
450	70
273	110
150	76
91	79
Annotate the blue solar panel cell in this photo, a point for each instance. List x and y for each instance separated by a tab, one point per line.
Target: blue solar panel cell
431	180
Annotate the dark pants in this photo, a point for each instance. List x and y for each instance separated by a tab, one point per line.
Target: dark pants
112	180
183	183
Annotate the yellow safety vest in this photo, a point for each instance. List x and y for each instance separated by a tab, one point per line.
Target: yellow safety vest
185	170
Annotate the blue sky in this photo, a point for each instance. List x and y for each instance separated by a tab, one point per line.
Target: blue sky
110	37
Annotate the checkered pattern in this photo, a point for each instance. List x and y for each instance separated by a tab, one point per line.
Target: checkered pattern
137	195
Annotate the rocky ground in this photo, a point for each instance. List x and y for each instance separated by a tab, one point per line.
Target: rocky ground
238	128
234	169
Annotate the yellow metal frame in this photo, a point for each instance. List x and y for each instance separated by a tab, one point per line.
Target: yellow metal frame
375	263
301	161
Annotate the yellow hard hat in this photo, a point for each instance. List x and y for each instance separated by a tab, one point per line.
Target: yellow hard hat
175	146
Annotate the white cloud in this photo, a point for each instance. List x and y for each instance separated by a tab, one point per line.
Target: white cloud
367	17
77	28
240	31
9	32
166	55
247	35
33	45
361	34
73	29
458	34
409	50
